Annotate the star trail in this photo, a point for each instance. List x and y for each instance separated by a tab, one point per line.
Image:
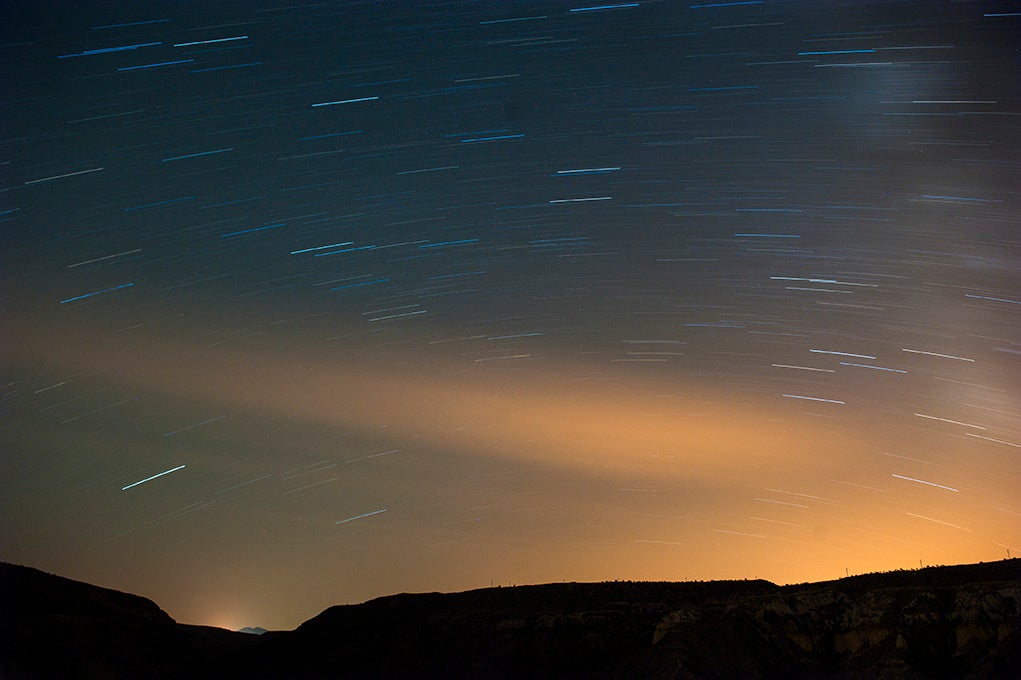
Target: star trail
304	304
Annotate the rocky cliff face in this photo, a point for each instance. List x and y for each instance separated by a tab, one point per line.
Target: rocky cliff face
840	631
947	622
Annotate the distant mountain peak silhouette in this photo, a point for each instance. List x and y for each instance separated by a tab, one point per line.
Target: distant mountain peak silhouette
252	631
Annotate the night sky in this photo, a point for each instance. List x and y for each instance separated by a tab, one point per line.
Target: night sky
304	304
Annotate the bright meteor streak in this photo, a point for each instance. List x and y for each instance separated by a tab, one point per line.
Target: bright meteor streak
368	514
149	479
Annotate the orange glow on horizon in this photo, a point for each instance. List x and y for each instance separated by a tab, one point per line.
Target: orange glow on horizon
653	485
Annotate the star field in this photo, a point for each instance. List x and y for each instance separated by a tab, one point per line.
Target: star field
309	303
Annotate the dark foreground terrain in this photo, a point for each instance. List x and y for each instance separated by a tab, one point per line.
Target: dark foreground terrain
941	622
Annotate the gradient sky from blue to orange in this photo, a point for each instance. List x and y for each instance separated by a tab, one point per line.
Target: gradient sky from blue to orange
383	297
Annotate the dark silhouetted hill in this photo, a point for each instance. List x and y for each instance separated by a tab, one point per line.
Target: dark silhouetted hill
940	622
53	627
